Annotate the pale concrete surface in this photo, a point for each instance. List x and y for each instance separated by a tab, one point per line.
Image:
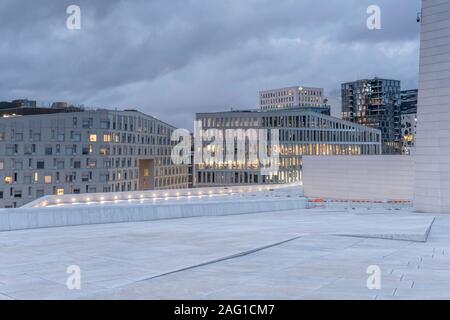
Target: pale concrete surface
298	254
61	211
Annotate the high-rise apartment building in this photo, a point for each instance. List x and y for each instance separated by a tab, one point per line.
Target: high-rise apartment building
69	150
408	120
300	133
375	103
309	99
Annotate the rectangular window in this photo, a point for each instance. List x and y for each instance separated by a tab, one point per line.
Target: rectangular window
60	191
107	138
40	165
93	138
2	164
9	150
27	179
18	165
91	163
8	180
48	179
60	164
36	137
86	124
104	124
39	193
76	136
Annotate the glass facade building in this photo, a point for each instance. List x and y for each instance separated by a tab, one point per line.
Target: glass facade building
300	133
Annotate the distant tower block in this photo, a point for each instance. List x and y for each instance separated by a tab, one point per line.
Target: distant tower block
432	185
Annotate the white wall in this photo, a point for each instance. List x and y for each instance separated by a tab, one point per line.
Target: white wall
33	218
375	178
432	186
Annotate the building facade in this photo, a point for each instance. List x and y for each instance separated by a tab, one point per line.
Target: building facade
375	103
300	133
72	151
409	120
291	98
432	155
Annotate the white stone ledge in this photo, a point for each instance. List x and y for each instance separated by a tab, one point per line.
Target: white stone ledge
32	218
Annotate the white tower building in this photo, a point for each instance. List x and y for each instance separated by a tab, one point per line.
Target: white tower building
432	186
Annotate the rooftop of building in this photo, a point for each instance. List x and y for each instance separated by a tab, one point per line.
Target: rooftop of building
25	107
295	111
370	80
317	253
291	88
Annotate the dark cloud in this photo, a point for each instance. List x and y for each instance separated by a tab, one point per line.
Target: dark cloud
172	58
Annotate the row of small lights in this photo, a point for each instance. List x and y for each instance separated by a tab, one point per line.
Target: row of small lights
154	196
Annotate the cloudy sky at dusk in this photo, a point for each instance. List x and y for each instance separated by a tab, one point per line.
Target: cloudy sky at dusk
172	58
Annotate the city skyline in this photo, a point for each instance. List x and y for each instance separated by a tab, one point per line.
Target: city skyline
129	56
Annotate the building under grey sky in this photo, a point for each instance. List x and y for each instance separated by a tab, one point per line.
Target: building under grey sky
174	58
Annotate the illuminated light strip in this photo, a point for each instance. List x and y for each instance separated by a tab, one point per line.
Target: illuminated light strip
216	191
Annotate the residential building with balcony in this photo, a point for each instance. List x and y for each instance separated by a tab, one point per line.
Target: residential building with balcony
375	103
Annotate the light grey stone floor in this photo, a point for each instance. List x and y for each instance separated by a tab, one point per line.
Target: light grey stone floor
300	254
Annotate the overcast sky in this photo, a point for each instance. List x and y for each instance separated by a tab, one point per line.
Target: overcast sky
172	58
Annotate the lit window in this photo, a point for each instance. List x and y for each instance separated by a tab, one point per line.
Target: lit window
8	180
107	138
48	179
60	192
103	151
2	164
36	177
93	138
146	172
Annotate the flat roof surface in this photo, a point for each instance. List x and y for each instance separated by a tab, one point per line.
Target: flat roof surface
298	254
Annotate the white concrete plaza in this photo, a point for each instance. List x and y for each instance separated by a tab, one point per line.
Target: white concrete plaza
298	254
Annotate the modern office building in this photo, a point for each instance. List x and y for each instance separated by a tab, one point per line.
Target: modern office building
292	98
375	103
69	150
408	120
300	133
